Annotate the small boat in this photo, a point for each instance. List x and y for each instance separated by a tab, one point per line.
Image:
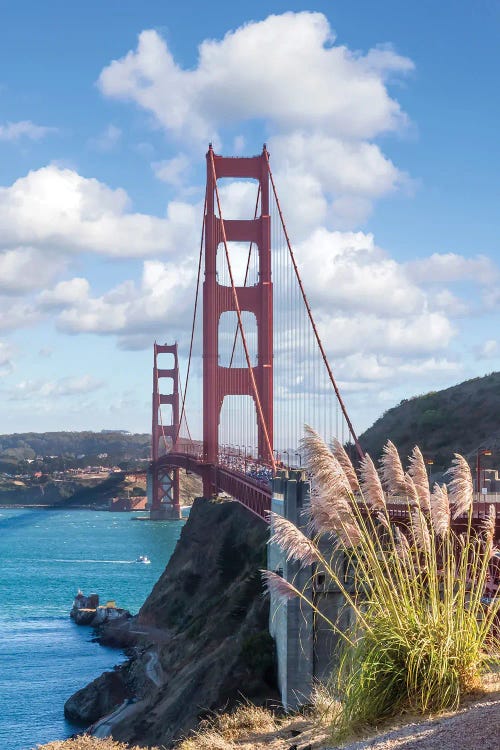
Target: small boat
144	559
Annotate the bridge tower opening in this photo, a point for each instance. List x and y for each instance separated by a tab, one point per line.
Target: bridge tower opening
165	487
219	381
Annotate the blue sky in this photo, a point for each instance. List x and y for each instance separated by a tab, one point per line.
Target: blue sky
392	113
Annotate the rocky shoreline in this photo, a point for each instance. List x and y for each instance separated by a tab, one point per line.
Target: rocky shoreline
199	643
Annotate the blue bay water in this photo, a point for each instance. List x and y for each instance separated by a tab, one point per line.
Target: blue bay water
45	556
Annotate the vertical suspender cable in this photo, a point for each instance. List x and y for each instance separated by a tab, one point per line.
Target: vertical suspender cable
309	312
194	320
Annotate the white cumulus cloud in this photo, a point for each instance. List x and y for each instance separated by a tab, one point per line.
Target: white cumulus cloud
44	389
451	267
59	210
23	269
163	297
286	69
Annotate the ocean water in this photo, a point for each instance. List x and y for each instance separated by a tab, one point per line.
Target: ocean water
45	556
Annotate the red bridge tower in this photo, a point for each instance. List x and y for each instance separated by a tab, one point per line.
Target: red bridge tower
218	381
165	500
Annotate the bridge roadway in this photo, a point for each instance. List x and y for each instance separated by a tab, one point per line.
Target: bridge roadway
255	494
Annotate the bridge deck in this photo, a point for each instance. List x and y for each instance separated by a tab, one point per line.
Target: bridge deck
255	494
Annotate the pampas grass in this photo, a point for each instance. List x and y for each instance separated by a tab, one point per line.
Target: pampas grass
460	488
440	510
418	472
421	628
371	486
294	543
488	529
329	509
279	586
340	454
393	475
421	535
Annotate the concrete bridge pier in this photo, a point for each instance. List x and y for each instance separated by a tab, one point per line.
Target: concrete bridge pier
164	508
306	647
291	623
165	513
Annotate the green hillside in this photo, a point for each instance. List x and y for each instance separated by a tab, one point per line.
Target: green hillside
459	419
62	450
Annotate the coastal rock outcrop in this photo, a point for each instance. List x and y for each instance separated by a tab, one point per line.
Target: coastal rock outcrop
201	638
86	610
97	699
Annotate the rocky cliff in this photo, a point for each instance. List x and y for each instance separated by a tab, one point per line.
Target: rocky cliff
200	639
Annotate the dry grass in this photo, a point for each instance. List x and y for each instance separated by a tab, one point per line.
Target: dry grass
221	730
89	743
254	728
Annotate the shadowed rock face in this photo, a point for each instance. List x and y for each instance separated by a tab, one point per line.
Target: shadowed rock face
203	642
97	699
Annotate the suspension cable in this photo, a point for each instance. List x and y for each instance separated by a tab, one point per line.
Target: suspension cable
240	323
200	257
309	312
246	272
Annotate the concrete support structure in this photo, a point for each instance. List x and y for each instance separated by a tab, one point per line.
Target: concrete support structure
307	649
290	623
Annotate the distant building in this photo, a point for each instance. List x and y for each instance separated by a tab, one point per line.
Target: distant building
128	504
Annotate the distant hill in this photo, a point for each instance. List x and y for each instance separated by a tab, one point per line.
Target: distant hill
460	419
75	448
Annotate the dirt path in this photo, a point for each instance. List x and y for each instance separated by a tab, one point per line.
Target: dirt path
476	727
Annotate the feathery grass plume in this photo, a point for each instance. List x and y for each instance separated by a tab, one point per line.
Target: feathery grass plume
393	475
329	508
292	541
460	488
418	472
410	490
382	520
340	454
371	486
420	530
488	528
402	545
327	517
440	510
278	585
324	466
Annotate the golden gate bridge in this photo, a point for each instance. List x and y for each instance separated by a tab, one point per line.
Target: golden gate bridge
265	369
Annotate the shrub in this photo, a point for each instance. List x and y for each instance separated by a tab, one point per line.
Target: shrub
423	635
